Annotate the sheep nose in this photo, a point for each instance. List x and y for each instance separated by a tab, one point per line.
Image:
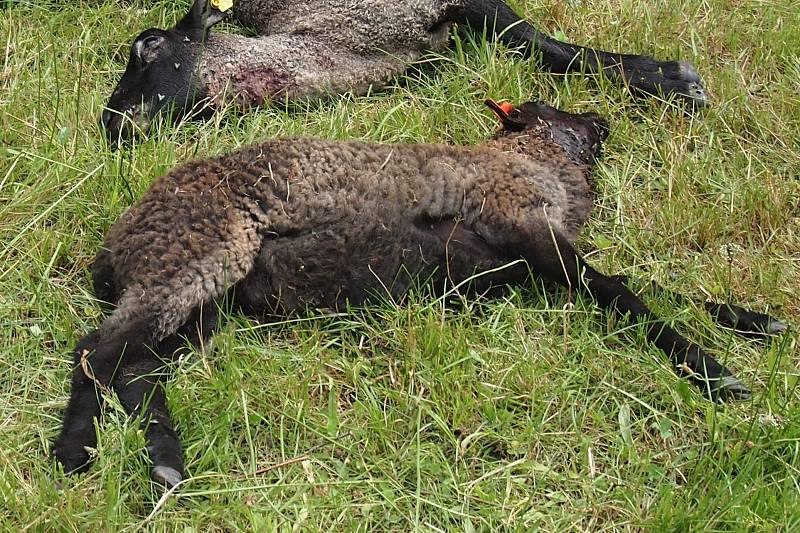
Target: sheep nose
601	126
115	127
105	118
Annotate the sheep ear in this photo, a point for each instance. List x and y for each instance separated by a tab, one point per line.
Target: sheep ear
199	19
503	112
147	50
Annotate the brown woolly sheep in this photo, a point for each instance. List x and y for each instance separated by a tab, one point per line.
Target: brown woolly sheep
291	224
313	48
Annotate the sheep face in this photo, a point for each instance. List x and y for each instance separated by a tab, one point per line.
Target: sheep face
160	75
579	135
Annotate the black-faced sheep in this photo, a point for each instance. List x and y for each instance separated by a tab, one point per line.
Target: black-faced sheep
312	48
291	224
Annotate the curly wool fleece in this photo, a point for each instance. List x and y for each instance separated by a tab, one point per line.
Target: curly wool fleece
198	230
309	48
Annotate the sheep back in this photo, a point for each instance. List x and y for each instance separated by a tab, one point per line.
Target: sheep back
206	225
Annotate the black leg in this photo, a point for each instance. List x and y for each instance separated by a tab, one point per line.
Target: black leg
95	363
741	320
105	289
77	432
642	74
140	388
552	256
196	331
127	364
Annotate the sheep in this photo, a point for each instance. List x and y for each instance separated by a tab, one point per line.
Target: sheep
293	224
309	49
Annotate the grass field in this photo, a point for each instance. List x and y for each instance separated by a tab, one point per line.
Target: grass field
529	412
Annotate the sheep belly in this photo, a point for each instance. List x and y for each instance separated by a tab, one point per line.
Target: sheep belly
367	261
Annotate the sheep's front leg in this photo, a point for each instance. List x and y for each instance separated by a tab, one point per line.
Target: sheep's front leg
551	255
743	321
643	74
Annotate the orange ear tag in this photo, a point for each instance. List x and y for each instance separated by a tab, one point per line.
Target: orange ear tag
501	110
507	107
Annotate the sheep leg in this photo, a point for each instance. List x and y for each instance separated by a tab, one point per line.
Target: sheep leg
643	74
78	437
95	363
197	332
127	363
157	304
741	320
140	388
551	255
103	284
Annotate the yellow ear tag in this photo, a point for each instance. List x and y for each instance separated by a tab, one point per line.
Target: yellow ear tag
222	5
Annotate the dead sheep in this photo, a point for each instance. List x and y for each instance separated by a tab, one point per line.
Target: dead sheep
312	48
294	224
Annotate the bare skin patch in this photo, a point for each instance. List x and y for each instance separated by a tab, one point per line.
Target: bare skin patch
261	85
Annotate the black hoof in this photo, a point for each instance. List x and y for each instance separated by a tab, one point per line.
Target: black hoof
73	461
745	321
729	389
775	326
668	78
165	475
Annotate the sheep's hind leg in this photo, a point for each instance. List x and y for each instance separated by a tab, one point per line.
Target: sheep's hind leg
140	388
71	448
741	320
101	359
152	311
551	255
196	331
643	74
95	363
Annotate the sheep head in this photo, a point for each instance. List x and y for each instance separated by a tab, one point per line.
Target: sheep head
580	136
160	75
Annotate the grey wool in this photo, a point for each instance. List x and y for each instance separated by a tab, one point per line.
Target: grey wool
313	49
308	49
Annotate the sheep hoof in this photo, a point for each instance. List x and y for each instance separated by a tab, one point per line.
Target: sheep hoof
744	321
164	475
728	388
759	325
73	459
678	78
775	326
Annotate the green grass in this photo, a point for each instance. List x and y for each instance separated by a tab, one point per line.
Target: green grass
529	412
